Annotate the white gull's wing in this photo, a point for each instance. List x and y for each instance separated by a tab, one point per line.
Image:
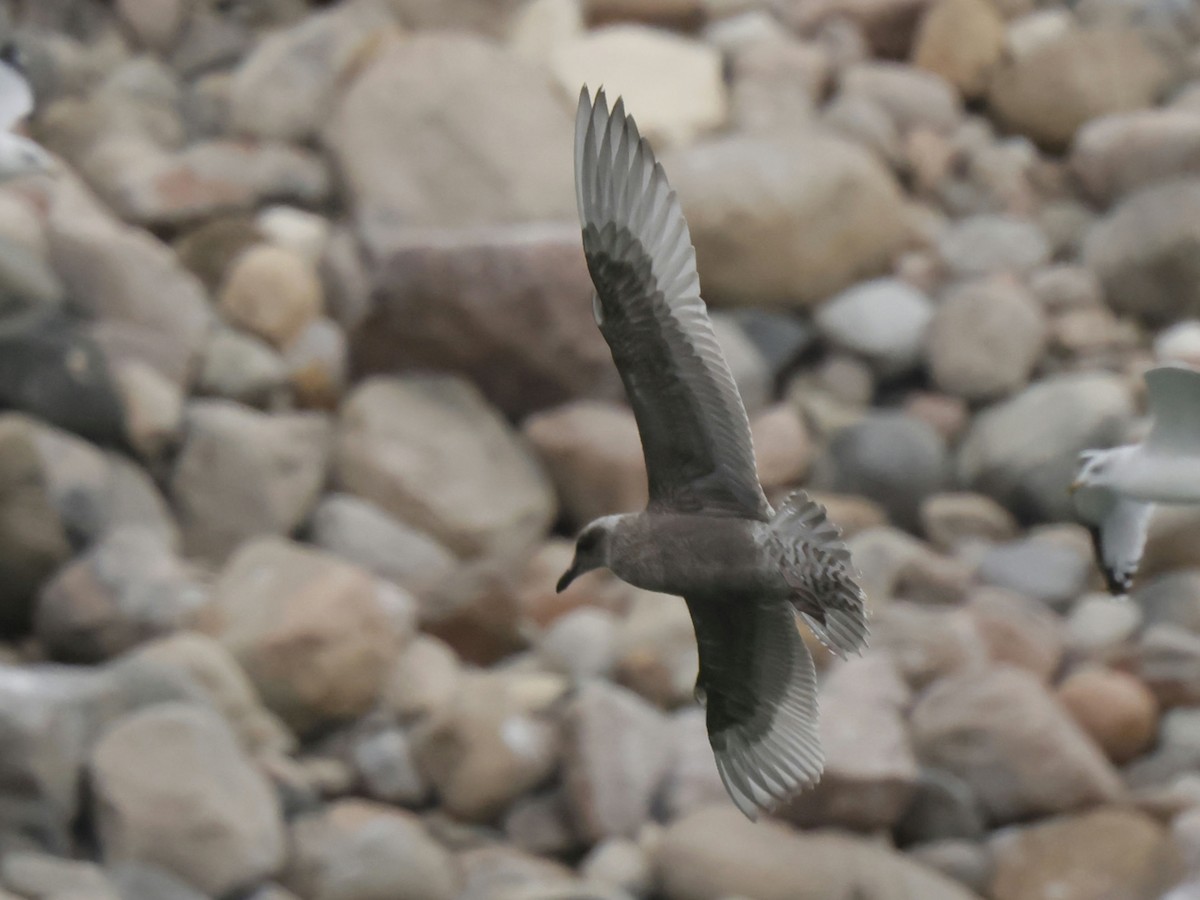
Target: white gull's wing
759	689
1174	396
16	97
1118	527
695	435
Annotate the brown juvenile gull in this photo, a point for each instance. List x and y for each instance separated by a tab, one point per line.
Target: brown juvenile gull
708	532
1115	489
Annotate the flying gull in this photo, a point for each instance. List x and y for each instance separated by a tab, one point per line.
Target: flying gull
18	154
708	533
1115	490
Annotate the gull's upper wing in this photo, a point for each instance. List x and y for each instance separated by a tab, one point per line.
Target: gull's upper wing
759	688
1174	396
695	435
16	97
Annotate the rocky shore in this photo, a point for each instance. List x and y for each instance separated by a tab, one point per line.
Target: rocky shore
303	401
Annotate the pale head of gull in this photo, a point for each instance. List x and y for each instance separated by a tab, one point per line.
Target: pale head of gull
1100	468
593	549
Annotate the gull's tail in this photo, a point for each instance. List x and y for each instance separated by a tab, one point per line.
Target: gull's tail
818	568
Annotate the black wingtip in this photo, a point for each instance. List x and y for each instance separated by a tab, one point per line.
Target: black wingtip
1117	583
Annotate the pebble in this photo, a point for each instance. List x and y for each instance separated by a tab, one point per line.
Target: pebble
219	829
985	340
884	321
1116	709
272	292
308	629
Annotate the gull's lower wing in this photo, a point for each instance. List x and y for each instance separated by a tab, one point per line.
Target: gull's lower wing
695	435
759	688
1119	540
1173	393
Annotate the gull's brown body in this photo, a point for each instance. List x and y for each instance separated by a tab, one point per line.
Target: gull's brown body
708	533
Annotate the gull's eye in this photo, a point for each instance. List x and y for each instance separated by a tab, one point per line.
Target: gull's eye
587	541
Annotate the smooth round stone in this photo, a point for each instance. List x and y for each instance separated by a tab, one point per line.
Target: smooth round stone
884	321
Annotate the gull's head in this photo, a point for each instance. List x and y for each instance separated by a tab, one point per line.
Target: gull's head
1096	468
591	550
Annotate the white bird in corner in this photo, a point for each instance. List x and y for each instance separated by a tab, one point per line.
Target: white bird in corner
708	533
1115	490
18	154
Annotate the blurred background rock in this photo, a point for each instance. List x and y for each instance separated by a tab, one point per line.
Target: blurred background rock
303	400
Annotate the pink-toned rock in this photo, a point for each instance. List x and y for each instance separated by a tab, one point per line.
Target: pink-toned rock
782	447
1116	709
1105	853
308	629
594	456
508	308
489	745
1018	630
961	40
272	292
1002	732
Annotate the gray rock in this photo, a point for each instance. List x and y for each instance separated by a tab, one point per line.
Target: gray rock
52	369
616	756
1023	451
508	308
139	881
965	861
1143	252
489	745
884	321
387	766
1117	154
220	175
581	643
129	587
1053	89
219	829
355	849
1167	659
746	364
243	473
1002	733
541	823
693	781
308	628
416	103
1054	572
430	451
986	340
26	280
717	853
34	540
359	531
193	658
238	366
1100	623
656	650
783	189
911	97
156	309
41	875
952	519
943	807
891	458
781	338
286	88
870	771
928	643
989	244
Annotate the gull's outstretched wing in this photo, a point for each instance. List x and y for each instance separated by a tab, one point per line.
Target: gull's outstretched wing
1118	527
1174	396
16	97
759	688
695	435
